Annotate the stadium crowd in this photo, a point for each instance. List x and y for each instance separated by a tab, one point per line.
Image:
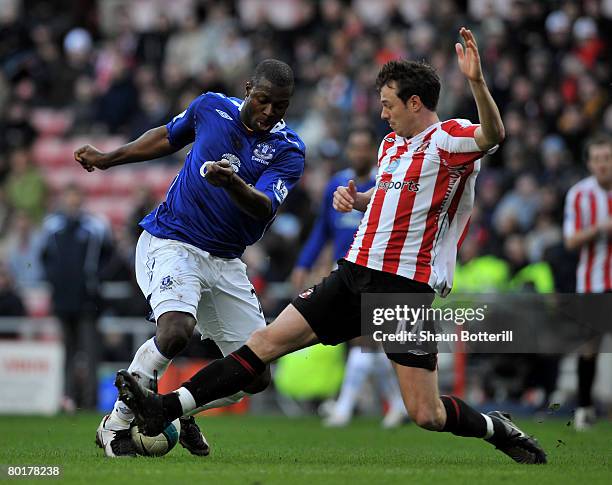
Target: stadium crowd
109	70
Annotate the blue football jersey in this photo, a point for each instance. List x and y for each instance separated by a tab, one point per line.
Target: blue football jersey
331	225
205	216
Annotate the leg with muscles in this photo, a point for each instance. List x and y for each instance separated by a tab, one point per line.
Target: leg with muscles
429	410
174	329
222	378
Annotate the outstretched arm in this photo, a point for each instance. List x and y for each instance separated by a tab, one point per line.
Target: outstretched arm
491	130
152	144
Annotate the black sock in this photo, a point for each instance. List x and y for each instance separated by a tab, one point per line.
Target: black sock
220	378
463	420
586	376
172	406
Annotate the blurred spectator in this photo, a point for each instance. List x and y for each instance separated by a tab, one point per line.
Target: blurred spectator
11	304
5	212
15	127
518	207
26	188
75	246
22	251
119	99
144	203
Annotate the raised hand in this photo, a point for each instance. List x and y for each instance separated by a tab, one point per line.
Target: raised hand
344	197
469	60
90	158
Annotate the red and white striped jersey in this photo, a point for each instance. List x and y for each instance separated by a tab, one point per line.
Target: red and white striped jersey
421	205
587	204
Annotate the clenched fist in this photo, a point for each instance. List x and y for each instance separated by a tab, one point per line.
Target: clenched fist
90	158
219	174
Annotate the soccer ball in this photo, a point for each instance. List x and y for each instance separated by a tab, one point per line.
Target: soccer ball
156	445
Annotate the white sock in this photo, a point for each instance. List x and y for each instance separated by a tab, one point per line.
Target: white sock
490	428
188	403
218	403
358	366
148	359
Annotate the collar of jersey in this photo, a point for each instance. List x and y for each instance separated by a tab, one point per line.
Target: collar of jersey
422	132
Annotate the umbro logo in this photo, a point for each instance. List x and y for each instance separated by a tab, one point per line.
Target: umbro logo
223	114
422	147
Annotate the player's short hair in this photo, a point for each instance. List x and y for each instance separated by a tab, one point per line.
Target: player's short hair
597	139
411	78
277	72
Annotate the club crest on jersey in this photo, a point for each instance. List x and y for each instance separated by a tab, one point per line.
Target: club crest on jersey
166	283
223	114
392	166
263	153
306	294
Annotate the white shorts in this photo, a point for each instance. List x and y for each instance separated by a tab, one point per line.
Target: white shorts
179	277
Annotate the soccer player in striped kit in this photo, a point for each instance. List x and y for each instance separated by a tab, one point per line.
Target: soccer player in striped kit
588	227
406	243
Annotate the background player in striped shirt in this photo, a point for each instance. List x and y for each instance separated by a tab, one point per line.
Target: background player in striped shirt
402	247
588	228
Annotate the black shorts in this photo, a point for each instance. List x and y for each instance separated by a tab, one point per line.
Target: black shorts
333	307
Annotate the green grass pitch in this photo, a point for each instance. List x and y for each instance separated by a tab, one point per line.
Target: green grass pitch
269	450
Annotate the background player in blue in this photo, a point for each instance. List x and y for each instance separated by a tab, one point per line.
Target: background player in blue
333	226
243	163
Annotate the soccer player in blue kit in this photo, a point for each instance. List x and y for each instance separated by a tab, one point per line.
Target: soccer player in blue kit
243	163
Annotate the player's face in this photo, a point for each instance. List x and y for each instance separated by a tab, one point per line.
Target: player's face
361	151
600	163
265	105
401	116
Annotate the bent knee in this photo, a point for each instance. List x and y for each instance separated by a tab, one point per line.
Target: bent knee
428	418
174	330
260	343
